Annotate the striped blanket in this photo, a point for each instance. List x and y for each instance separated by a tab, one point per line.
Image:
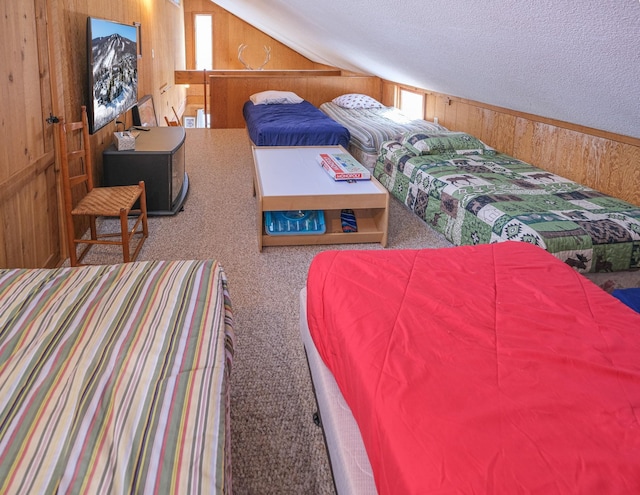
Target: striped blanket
370	127
114	379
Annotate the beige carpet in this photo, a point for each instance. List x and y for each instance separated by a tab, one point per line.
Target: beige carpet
276	447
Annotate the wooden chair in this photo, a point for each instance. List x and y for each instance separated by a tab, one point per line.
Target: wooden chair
173	123
82	199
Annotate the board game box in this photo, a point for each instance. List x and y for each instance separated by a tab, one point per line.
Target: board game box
294	222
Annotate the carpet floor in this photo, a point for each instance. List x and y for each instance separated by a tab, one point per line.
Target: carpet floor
276	447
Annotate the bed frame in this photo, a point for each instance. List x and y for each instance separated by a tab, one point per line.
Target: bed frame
352	474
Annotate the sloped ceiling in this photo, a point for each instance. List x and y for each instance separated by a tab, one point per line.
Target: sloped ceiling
573	60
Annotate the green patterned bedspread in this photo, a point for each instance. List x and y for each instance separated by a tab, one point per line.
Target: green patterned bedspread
485	198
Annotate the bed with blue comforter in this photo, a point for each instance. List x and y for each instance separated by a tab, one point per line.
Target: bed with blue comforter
299	124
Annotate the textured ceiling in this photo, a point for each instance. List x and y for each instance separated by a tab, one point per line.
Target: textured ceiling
572	60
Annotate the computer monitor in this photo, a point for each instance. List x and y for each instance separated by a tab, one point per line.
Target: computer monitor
144	113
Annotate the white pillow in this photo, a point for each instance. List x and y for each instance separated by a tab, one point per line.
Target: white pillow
356	100
274	97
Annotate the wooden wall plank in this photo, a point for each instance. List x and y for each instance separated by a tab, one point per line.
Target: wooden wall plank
11	185
544	145
501	132
465	118
429	107
568	160
27	213
53	232
449	111
19	54
202	77
388	93
440	106
4	260
523	139
607	162
231	31
17	229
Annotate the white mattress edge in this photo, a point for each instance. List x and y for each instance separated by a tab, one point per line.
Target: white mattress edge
351	468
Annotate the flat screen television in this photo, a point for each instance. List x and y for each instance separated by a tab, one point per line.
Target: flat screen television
112	52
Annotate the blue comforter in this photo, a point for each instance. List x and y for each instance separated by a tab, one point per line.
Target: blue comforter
297	124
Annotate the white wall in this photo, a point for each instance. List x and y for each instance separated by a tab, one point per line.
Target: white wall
572	60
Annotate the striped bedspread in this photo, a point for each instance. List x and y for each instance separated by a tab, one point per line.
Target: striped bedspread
370	127
113	379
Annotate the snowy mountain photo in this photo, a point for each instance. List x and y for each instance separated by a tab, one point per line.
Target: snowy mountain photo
114	75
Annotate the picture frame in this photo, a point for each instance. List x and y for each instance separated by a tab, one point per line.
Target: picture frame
138	27
144	113
112	70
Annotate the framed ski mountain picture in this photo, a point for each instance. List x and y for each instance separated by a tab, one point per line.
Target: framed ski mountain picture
112	55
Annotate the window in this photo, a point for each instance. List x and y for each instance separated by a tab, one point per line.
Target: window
203	26
412	104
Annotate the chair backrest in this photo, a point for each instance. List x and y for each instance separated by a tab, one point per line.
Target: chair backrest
171	123
76	161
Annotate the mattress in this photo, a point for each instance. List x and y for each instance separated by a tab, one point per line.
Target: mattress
299	124
367	159
493	197
370	127
114	379
481	369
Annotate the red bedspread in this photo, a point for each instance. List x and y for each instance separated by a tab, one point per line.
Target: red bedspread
481	369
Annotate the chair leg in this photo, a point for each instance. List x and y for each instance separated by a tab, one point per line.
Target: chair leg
73	255
124	227
92	226
143	209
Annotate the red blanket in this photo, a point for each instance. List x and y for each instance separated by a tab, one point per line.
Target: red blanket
481	369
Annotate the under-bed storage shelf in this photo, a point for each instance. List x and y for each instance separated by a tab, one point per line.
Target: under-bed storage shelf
372	227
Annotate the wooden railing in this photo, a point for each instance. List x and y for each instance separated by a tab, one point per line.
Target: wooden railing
228	90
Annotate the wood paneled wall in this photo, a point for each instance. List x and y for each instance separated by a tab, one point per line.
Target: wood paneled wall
33	33
229	33
162	39
604	161
230	92
29	233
